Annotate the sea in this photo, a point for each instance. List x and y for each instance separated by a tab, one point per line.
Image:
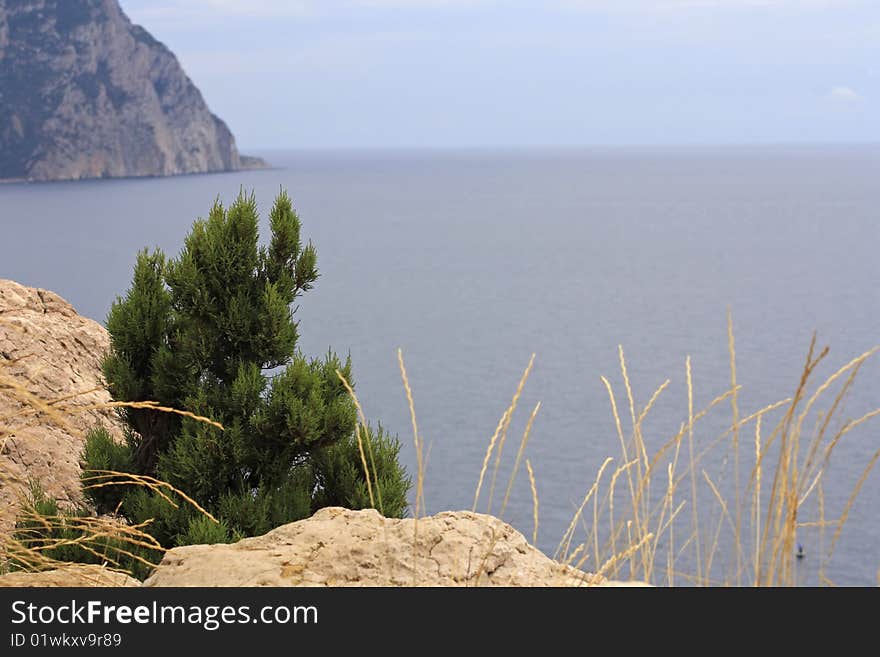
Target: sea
466	264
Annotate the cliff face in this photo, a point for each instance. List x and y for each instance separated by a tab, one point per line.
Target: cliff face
84	93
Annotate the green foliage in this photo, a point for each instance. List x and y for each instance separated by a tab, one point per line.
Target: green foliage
202	530
200	333
104	455
253	514
167	520
340	474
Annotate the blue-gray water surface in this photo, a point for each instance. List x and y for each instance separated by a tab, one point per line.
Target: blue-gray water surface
471	261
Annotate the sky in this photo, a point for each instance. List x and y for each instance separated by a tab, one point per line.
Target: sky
512	73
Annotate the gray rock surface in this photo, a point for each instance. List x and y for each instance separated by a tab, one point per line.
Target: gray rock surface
84	93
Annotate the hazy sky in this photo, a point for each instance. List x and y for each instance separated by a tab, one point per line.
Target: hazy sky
353	73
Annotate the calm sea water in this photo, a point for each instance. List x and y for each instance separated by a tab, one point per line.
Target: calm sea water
472	261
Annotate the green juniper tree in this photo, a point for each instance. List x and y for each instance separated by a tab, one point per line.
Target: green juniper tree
212	333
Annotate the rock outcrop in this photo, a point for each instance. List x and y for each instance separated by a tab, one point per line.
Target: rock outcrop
49	357
339	547
79	575
84	93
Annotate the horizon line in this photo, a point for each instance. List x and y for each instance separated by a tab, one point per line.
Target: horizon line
567	147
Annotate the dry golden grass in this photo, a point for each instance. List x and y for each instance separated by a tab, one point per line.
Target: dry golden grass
102	478
360	438
534	489
30	551
420	460
752	528
759	542
106	538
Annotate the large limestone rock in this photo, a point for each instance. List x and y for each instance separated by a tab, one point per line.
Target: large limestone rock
79	575
339	547
49	356
84	93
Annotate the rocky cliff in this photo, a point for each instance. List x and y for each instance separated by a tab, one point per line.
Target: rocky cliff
84	93
50	381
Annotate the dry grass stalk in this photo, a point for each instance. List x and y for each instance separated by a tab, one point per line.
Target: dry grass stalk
420	461
358	437
519	454
534	501
503	438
